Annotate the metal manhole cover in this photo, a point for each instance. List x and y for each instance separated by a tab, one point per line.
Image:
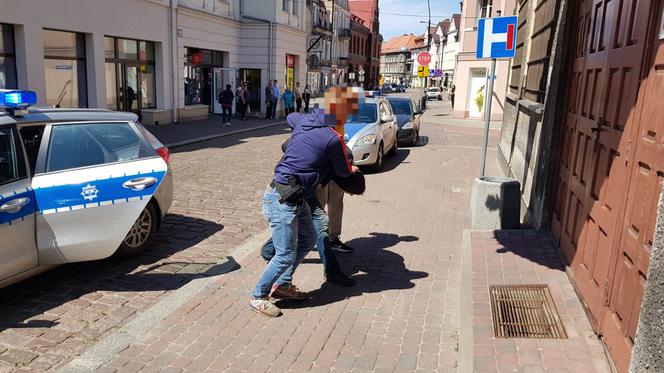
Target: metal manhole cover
524	311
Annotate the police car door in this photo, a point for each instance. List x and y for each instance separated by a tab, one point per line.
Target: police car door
18	251
96	179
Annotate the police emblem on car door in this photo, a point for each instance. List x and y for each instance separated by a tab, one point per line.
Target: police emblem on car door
96	180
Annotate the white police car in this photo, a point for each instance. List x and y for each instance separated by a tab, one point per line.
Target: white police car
75	185
372	132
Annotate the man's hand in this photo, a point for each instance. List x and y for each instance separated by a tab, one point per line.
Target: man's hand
354	169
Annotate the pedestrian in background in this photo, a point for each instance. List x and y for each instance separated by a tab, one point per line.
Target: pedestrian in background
226	101
246	97
275	99
240	103
452	91
288	99
268	100
298	97
306	96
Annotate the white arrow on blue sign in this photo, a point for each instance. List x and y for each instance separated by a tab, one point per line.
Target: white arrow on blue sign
496	37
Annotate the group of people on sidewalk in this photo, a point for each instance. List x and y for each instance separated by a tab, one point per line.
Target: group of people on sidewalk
289	98
242	98
314	173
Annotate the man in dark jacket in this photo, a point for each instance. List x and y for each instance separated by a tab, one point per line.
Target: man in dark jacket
268	100
226	101
315	152
354	185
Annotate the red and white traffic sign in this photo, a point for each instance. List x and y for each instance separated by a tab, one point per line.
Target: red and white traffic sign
423	58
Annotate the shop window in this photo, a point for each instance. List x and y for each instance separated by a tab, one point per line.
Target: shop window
7	57
198	65
65	72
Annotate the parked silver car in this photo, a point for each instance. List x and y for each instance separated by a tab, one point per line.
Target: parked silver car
372	132
75	185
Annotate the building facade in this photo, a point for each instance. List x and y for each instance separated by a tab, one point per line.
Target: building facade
359	53
582	132
165	60
451	50
471	73
396	63
368	11
341	35
319	48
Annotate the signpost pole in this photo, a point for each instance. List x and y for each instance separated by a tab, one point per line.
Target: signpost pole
487	114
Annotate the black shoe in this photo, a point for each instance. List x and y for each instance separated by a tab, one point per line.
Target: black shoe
339	279
341	247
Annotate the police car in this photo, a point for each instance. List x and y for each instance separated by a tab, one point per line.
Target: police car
372	132
75	185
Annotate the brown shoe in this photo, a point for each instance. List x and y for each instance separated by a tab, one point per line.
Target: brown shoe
287	291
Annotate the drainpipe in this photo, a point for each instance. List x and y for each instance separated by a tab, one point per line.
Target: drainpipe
172	41
270	43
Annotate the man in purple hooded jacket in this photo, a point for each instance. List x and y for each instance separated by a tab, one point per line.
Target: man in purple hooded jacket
316	151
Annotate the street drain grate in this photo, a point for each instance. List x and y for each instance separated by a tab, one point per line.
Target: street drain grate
524	311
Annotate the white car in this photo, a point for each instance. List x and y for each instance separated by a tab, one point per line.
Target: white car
372	133
434	93
75	185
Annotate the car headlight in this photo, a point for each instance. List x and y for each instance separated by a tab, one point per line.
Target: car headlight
366	140
407	126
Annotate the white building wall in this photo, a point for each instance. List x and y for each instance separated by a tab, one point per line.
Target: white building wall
216	25
145	20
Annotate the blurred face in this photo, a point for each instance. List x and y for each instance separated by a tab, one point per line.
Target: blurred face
341	102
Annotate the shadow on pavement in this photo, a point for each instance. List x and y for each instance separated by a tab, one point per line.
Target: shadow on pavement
230	140
537	248
390	162
374	268
146	272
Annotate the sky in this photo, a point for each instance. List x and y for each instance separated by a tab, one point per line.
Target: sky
395	15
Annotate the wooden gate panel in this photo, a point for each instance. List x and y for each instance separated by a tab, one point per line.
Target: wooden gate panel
647	175
598	163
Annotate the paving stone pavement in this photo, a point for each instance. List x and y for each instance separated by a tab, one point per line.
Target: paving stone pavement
528	257
403	314
49	319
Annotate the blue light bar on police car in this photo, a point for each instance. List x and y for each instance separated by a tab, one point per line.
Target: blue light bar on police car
17	99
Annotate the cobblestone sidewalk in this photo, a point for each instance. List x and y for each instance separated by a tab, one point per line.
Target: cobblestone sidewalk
403	315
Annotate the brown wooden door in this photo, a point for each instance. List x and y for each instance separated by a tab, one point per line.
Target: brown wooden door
605	101
638	224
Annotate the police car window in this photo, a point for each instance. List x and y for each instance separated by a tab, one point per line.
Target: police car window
366	113
383	110
32	137
11	157
84	145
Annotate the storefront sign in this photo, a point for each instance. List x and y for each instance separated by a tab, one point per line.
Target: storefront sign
196	58
290	71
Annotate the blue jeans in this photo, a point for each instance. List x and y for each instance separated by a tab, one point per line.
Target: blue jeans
327	256
293	236
226	114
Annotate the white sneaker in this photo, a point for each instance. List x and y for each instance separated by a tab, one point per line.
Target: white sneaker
228	124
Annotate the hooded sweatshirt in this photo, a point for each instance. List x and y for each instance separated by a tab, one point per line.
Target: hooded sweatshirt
315	152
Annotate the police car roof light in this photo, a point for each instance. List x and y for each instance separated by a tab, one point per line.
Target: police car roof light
13	99
372	93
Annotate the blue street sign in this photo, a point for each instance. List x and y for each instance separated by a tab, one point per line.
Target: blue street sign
496	37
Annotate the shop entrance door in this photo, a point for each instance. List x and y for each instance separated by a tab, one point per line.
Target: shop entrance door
129	90
221	77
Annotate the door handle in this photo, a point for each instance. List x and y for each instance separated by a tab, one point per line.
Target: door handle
140	183
14	205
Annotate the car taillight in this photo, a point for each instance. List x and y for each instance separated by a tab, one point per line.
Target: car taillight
164	154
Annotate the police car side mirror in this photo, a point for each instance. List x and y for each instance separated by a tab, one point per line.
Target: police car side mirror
385	119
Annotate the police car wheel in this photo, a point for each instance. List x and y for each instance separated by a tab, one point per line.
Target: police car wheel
379	159
140	234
